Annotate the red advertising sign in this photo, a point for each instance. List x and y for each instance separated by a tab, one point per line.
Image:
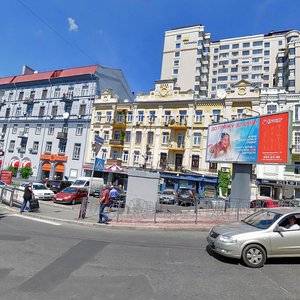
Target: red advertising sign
273	138
6	176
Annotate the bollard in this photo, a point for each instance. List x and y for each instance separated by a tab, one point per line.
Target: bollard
155	209
11	198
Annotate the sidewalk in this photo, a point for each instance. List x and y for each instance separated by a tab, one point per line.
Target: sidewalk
69	214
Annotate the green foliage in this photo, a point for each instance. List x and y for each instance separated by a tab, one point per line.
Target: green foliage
25	172
13	170
224	181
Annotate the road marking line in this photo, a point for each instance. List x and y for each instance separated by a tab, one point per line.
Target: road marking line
35	219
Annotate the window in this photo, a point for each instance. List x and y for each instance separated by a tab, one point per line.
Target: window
256	68
223	70
266	62
246	45
165	138
224	47
38	129
82	109
79	129
178	37
26	128
76	151
235	46
117	135
223	62
279	43
42	111
234	69
292	83
51	129
214	80
163	159
292	61
266	52
240	113
246	52
54	110
106	135
48	147
257	43
222	78
57	93
44	94
29	109
108	116
35	147
197	138
98	116
195	161
177	54
257	59
292	51
267	44
256	76
62	147
150	138
176	63
11	147
85	90
233	77
198	116
257	51
167	116
21	96
104	153
138	137
235	53
216	115
127	136
10	96
244	69
129	116
175	71
216	50
136	156
7	113
125	155
297	141
140	116
271	108
15	128
234	61
4	128
177	46
32	95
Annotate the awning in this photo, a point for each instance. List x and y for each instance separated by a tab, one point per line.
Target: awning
114	168
14	163
25	163
46	166
60	168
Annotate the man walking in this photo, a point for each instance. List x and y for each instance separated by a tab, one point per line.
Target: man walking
103	202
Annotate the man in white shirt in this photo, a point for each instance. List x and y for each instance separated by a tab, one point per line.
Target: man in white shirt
292	224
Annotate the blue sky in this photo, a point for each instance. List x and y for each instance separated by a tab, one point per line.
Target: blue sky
125	34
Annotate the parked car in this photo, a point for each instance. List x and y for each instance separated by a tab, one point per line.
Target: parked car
264	203
40	191
258	237
2	184
214	203
184	197
70	195
58	185
167	196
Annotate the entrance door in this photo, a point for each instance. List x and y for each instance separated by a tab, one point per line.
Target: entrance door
178	161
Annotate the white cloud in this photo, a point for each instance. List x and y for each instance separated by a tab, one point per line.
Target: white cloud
72	25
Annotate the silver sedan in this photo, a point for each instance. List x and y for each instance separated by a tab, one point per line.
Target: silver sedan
273	232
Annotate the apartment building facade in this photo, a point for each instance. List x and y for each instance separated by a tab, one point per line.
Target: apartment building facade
45	118
209	67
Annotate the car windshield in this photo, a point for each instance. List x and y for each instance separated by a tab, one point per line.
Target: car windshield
169	192
54	183
79	182
262	219
184	191
39	187
69	190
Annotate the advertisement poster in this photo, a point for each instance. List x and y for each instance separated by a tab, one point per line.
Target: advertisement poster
262	139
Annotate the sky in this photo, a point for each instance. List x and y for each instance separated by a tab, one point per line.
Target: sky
124	34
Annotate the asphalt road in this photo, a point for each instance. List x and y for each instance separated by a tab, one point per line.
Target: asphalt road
55	261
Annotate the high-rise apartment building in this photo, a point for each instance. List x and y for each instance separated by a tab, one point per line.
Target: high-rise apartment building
265	60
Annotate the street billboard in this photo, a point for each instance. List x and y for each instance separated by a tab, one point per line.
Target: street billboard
257	140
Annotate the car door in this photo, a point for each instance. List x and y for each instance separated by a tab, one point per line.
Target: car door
285	243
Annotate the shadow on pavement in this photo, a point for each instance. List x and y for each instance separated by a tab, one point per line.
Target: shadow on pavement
2	215
283	261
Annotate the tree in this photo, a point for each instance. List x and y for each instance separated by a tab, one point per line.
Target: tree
224	181
25	172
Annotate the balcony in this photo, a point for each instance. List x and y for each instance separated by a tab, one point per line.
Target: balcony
119	123
116	143
62	135
179	122
174	146
111	161
23	135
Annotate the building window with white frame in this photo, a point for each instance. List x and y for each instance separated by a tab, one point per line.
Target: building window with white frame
57	93
85	90
106	136
271	109
138	137
108	116
240	113
18	111
35	146
167	116
98	116
297	142
195	162
76	151
136	156
48	147
125	155
197	139
82	109
51	129
127	136
149	158
104	153
198	116
38	129
11	146
26	128
297	113
79	129
165	138
129	117
15	128
140	116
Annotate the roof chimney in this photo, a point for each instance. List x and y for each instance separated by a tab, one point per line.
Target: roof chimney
27	70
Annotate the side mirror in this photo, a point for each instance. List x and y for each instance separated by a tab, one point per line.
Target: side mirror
279	228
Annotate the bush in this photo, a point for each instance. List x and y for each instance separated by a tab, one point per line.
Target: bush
25	172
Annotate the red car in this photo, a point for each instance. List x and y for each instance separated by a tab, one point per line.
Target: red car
264	203
70	195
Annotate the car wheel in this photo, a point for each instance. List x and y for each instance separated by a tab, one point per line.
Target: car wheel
254	256
73	202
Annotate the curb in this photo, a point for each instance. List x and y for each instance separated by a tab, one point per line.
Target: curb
136	226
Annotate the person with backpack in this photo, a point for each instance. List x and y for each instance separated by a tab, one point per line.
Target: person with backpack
103	202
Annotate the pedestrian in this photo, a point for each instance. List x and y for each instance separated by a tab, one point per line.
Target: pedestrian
103	202
27	197
114	197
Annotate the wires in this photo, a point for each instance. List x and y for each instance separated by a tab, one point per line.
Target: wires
55	31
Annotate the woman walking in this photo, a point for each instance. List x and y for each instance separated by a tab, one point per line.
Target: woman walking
28	192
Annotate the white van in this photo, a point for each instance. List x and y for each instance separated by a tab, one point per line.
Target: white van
96	185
